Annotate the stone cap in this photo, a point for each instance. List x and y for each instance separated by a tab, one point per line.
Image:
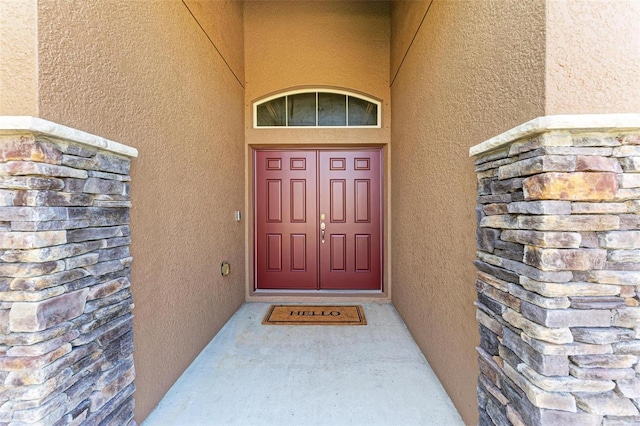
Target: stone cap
25	124
571	123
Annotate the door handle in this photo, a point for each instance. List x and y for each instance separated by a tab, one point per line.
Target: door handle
322	226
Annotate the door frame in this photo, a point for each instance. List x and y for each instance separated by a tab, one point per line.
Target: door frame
260	295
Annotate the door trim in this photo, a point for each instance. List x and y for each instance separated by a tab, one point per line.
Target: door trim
292	296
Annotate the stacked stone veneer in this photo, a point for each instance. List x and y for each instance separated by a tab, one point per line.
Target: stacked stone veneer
65	305
558	280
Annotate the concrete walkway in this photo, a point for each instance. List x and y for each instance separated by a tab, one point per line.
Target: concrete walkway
252	374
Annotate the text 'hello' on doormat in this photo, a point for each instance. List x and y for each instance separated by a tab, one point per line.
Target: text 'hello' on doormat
315	315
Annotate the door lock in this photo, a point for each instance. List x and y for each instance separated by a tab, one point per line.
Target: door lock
322	226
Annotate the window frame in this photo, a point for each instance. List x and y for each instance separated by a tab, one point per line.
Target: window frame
348	94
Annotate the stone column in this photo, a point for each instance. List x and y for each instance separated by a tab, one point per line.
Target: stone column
558	278
66	347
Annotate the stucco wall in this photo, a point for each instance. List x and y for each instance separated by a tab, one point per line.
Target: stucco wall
317	43
145	74
592	57
407	18
223	23
474	70
18	57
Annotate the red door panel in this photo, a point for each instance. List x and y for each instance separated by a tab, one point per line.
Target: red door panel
298	191
286	237
350	199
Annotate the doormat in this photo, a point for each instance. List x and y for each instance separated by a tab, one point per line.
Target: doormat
315	315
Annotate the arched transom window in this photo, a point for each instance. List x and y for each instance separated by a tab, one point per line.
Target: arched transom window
316	108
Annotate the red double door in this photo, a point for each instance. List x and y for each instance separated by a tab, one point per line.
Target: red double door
318	219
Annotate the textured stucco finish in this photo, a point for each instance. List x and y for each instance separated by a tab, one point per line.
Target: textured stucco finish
406	18
474	70
144	74
317	43
18	57
223	23
593	57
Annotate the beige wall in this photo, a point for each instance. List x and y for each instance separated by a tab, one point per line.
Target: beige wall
474	70
593	56
18	57
223	23
317	43
340	44
145	74
407	18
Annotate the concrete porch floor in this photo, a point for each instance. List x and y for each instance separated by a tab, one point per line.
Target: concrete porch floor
252	374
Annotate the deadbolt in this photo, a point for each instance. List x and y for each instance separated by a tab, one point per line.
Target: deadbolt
322	216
